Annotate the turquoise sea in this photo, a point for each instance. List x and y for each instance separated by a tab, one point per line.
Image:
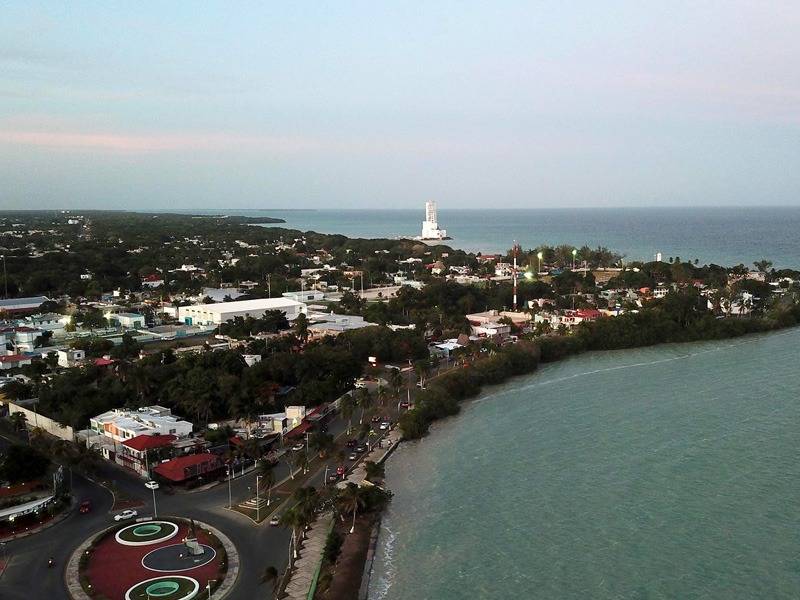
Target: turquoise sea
670	472
725	236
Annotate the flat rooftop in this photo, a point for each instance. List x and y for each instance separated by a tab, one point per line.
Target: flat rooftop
246	305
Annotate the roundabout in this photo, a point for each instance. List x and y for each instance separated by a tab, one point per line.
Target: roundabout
164	559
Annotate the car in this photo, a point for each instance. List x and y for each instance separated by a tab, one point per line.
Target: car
361	448
376	419
352	456
385	425
404	404
151	485
340	470
125	515
361	384
352	443
298	446
333	477
86	506
275	520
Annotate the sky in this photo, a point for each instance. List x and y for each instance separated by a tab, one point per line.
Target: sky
340	104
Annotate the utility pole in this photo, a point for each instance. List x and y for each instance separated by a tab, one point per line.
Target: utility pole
515	252
5	277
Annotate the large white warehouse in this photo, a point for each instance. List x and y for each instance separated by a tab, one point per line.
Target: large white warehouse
214	314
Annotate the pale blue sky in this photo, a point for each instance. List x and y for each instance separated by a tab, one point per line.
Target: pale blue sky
388	104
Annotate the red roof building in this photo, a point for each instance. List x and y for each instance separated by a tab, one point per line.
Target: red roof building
185	468
133	453
12	361
142	443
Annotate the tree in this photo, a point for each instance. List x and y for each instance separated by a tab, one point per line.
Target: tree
364	401
22	463
301	327
266	477
270	576
349	501
321	442
375	471
346	407
18	420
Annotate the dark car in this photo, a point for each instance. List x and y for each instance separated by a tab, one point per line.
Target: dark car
352	443
86	506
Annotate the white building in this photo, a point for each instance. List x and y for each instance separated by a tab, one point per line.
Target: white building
306	296
128	320
430	226
214	314
121	425
70	357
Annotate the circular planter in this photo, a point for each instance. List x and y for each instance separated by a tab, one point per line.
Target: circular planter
173	559
146	533
168	587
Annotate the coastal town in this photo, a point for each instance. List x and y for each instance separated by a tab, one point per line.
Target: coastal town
253	379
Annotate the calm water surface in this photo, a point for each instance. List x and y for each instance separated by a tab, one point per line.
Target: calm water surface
667	472
726	236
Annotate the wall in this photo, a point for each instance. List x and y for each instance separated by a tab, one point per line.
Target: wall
47	424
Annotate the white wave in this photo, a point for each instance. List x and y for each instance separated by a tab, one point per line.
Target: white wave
379	587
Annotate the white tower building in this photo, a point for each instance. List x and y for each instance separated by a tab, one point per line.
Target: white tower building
430	226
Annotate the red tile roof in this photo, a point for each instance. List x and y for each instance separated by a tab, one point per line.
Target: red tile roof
12	358
148	442
185	467
103	362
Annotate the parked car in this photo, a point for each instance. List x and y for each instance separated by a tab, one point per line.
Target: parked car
275	520
151	485
125	515
86	506
385	425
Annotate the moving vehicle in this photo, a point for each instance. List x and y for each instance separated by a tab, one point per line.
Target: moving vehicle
85	507
340	470
51	562
352	456
151	485
352	443
298	446
385	425
361	448
125	515
275	520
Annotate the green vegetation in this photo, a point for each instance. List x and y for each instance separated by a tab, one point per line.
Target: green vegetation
22	463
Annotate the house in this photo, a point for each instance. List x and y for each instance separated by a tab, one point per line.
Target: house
322	324
120	425
47	322
214	314
189	468
305	296
22	305
22	338
251	359
14	361
152	281
128	320
138	453
444	349
487	324
69	357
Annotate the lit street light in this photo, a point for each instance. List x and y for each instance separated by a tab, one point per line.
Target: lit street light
230	497
540	256
574	253
258	503
153	486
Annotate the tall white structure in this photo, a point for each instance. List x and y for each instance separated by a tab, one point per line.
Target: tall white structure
214	314
430	226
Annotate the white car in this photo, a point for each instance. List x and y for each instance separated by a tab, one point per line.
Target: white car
385	425
125	515
275	521
299	446
151	485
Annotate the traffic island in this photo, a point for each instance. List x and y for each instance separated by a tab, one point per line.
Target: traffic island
164	559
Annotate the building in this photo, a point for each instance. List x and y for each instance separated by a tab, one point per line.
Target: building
47	322
22	339
127	320
138	453
430	226
121	425
188	468
152	281
14	361
70	358
322	324
22	305
488	323
214	314
306	296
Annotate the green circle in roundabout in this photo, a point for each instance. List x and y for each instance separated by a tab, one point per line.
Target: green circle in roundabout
172	587
149	532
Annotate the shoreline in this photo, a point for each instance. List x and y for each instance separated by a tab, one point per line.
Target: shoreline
368	572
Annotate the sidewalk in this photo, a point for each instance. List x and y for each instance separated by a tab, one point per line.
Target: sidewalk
306	568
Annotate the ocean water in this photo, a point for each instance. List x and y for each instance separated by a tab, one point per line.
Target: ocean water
725	236
660	473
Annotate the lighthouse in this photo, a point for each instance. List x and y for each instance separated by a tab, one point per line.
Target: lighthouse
430	226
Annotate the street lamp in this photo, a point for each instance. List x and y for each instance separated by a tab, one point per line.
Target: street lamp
540	256
574	253
153	486
208	587
230	497
258	503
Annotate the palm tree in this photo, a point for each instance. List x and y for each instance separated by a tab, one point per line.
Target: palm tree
346	408
349	500
18	420
307	501
396	381
300	461
294	520
321	442
364	401
382	395
270	575
267	477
